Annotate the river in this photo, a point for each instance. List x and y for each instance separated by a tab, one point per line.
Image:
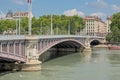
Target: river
101	64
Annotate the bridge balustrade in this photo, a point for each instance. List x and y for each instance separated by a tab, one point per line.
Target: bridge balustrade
12	47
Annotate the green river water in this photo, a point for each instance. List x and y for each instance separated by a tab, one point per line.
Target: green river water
101	64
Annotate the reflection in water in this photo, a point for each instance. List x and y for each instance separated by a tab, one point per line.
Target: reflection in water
101	64
86	56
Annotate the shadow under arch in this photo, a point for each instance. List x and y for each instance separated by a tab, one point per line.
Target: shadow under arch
95	42
70	43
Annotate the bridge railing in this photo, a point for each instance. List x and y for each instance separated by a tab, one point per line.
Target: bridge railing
17	37
12	56
66	36
11	37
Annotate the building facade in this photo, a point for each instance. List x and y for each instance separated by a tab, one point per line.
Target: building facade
17	15
95	26
108	22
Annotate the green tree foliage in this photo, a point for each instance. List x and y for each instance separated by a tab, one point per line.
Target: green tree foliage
24	25
43	23
114	36
61	23
7	24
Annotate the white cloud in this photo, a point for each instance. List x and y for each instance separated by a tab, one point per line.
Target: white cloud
73	12
20	2
115	7
97	4
99	14
101	4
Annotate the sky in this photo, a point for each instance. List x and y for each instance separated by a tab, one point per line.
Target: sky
101	8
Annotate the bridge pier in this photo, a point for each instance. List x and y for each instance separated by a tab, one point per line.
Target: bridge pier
87	44
32	63
87	49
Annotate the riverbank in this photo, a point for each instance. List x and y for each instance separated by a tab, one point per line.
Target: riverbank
101	46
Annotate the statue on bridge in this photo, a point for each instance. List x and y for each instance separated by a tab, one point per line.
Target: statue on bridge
32	62
33	53
87	42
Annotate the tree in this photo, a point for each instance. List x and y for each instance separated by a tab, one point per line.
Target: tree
60	24
114	36
7	24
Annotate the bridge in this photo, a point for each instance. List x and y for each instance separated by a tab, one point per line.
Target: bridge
25	50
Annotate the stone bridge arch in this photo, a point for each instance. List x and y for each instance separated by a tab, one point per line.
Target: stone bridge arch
96	41
44	43
75	42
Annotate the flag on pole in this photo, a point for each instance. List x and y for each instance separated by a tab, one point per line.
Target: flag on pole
28	1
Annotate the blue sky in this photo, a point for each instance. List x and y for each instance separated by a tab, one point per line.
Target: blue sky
102	8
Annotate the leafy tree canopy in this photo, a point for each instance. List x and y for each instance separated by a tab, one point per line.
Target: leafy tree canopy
42	24
114	36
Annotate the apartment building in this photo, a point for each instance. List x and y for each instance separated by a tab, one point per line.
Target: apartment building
17	15
108	22
95	26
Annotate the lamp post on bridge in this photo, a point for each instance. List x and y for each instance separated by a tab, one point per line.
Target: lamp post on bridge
80	29
16	27
19	23
57	29
41	28
29	16
69	27
51	28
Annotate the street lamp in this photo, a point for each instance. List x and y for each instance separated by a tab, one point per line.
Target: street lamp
29	16
51	30
16	27
57	29
80	28
69	27
41	28
19	22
